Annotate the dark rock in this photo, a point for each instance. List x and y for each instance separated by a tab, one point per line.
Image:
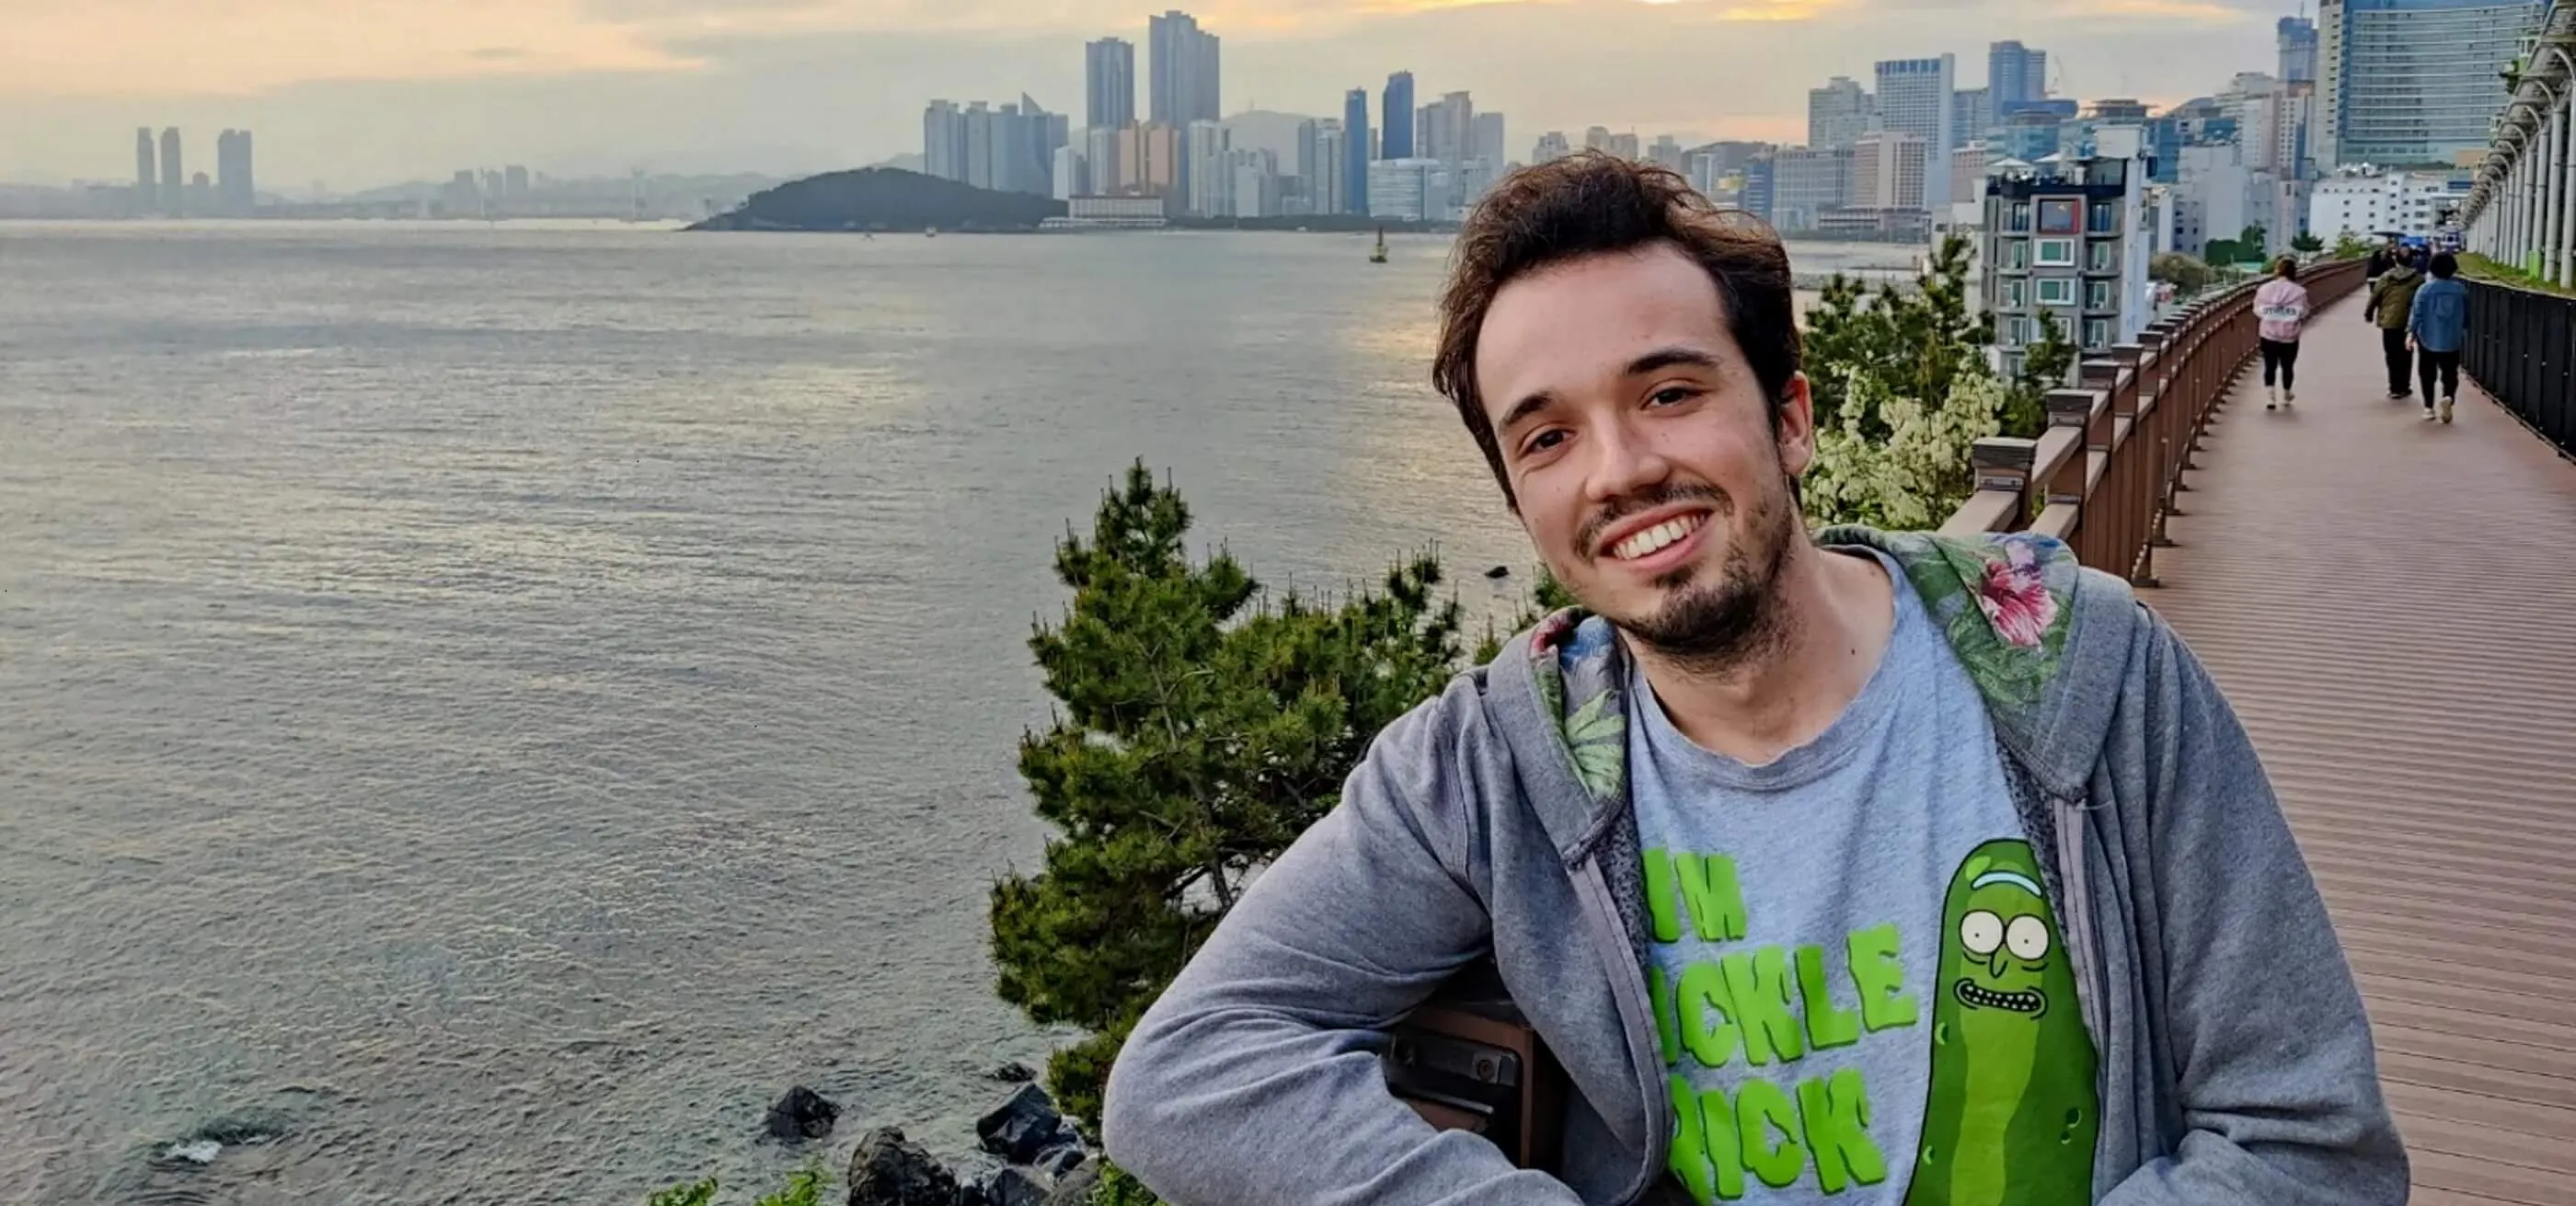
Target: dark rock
889	1170
1057	1161
1013	1073
1023	1126
1074	1188
1016	1186
1499	571
802	1114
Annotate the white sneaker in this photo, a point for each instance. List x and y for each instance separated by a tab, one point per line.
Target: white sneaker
2272	397
2287	397
2446	410
2428	412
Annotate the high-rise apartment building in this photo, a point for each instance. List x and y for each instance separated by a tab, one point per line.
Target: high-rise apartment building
1009	149
1805	183
1356	151
1551	147
1109	84
1914	98
1396	117
1888	171
236	196
1149	161
1837	114
2412	82
1183	87
147	175
1443	129
2068	244
174	175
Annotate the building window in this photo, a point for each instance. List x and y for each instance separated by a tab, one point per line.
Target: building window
2056	291
2097	295
2057	217
2055	253
2105	255
2019	219
2097	333
2013	295
2098	220
2016	254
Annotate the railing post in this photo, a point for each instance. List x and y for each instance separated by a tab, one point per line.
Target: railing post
2004	463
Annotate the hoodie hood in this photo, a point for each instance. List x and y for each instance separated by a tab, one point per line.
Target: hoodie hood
2046	641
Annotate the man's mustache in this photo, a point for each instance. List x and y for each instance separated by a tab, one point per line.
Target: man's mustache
1642	501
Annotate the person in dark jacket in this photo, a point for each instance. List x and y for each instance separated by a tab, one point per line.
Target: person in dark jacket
2391	296
2437	325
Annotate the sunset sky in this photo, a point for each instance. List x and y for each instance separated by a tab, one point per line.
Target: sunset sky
367	92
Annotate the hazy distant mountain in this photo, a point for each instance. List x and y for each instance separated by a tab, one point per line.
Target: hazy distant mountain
905	162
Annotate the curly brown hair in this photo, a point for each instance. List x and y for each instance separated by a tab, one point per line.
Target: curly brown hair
1593	203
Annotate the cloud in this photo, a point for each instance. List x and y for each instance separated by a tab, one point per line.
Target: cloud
106	48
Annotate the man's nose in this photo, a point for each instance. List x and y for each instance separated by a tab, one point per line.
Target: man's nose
1625	461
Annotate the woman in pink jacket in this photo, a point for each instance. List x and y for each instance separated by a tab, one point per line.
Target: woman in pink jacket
2282	305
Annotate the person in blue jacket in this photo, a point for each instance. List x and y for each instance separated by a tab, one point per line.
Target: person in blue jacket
2438	327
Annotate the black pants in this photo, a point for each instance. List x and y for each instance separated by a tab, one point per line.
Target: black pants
2281	356
2400	360
2448	363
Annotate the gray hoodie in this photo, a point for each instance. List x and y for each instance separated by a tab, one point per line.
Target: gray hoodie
2236	1065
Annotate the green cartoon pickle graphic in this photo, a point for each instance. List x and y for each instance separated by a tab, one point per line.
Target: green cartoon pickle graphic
2012	1113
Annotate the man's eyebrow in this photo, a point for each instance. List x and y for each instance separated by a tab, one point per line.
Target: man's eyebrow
1672	357
1526	407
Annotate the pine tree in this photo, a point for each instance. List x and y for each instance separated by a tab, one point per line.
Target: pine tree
1913	343
1200	729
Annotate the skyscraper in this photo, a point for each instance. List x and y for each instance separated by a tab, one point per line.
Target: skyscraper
1326	193
1837	114
1397	117
147	188
2384	100
1355	151
1914	98
1109	84
1490	142
2014	73
235	195
1184	83
174	180
2298	39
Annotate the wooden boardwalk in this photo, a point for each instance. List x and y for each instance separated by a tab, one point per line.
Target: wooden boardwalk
2391	605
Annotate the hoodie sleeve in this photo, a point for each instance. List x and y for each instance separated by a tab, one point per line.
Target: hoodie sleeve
2278	1086
1254	1078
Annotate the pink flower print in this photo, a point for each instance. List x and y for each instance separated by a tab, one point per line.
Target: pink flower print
2015	601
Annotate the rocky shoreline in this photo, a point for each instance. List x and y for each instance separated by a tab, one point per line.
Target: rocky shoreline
1044	1160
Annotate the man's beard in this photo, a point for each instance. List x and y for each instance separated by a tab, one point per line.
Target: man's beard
1713	627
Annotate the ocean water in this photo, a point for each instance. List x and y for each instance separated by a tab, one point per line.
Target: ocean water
491	707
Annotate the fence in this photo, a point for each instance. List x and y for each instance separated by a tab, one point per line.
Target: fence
2105	474
2522	349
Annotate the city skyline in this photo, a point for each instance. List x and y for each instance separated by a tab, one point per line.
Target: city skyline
605	86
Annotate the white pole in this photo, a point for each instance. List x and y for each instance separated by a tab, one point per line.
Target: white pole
2554	231
2567	187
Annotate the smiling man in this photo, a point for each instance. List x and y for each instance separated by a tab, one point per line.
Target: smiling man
1854	867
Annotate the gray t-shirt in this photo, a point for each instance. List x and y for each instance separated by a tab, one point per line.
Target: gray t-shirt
1857	979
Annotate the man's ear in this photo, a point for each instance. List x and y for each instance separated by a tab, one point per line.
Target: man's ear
1794	426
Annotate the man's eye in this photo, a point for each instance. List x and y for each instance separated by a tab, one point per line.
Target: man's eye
1546	440
1673	395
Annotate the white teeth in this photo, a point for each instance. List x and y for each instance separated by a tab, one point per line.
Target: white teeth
1655	538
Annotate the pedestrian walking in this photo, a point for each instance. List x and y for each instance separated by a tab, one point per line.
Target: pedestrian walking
2391	296
2437	325
2282	306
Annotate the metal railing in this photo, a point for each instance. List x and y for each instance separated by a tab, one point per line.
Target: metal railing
2522	349
2104	475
